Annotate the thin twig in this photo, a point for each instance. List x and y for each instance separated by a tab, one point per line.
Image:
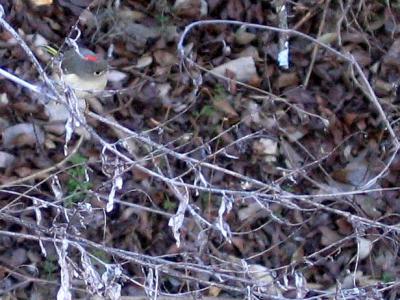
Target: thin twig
316	47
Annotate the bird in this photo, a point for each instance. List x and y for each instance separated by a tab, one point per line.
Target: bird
81	70
84	70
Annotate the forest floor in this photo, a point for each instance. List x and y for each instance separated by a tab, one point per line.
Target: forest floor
255	159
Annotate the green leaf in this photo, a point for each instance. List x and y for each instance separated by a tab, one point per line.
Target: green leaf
78	159
168	204
388	277
207	111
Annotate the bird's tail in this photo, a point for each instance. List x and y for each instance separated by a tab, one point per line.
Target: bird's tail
53	51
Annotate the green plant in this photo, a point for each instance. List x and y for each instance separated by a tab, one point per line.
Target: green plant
206	111
50	266
101	255
162	20
77	185
388	277
219	92
168	204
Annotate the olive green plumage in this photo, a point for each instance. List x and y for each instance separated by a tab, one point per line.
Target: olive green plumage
84	71
73	63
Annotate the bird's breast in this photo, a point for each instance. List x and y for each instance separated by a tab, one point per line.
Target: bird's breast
83	84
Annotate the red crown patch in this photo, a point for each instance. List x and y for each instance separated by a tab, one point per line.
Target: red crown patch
90	58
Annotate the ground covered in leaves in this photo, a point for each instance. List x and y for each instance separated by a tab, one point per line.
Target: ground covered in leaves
209	167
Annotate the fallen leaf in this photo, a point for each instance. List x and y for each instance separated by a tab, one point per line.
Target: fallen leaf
116	76
190	8
165	58
6	160
224	106
235	9
23	171
253	211
144	62
266	146
364	247
23	134
163	90
344	227
288	79
329	236
264	279
244	68
214	291
41	2
243	37
139	34
357	172
251	51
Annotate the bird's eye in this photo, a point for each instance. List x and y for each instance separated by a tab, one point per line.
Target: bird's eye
98	73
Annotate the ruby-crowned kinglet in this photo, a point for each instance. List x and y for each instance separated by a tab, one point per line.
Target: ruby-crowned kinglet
84	70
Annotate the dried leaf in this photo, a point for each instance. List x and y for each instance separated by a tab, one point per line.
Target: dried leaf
244	68
225	106
23	134
144	62
364	247
165	58
329	236
288	79
266	146
41	2
6	160
116	76
190	8
357	171
264	279
214	291
243	37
